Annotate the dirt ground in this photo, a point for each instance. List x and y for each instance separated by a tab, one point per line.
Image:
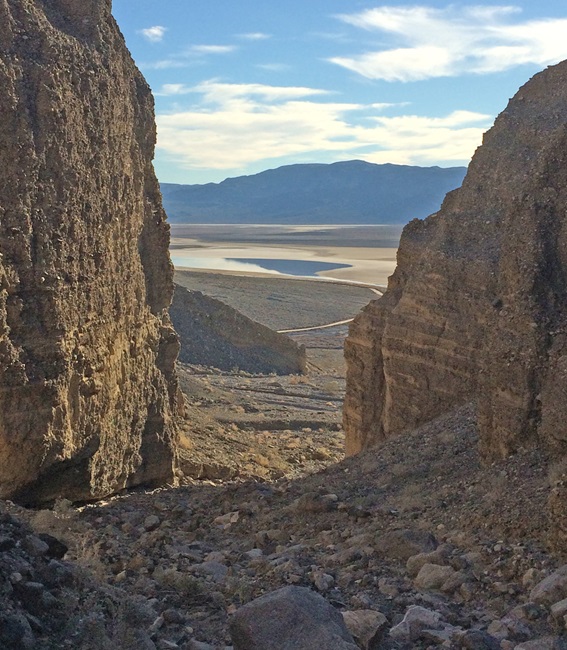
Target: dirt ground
266	499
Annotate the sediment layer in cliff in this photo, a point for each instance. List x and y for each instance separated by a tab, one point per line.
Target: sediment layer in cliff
477	307
87	351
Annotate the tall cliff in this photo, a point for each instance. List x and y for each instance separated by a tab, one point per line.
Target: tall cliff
87	351
477	307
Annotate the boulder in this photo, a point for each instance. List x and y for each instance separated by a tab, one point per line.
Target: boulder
291	618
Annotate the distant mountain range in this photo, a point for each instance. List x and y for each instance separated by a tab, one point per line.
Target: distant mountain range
352	192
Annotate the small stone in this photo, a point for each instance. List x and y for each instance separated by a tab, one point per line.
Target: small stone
551	589
151	522
559	609
433	576
156	625
254	553
444	636
416	620
415	562
216	570
164	644
322	581
174	616
199	645
367	626
34	546
478	640
15	632
31	596
544	643
315	502
402	544
531	577
388	589
55	548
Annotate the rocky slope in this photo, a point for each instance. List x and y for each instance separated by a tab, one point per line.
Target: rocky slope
416	544
213	334
87	382
476	307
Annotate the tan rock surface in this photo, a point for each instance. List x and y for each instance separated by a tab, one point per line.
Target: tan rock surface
476	307
87	383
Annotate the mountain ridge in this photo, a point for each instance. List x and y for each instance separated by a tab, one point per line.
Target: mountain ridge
351	191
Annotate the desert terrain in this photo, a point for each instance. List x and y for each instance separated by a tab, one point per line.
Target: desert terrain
366	253
265	426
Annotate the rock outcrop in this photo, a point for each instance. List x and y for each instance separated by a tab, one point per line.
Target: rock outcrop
214	334
477	308
87	351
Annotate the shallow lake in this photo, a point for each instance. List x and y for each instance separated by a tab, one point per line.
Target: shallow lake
256	265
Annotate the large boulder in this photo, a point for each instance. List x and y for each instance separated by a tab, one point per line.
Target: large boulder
291	618
87	351
477	307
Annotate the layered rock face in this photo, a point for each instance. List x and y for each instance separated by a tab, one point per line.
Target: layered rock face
477	307
87	351
215	334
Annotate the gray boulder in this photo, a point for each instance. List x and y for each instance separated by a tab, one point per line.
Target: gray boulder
291	618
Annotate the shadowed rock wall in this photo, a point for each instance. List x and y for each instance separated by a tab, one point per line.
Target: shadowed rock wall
477	307
87	351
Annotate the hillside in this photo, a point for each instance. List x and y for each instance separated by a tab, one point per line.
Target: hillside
345	192
214	334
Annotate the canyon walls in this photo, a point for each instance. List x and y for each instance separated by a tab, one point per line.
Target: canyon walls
87	351
477	307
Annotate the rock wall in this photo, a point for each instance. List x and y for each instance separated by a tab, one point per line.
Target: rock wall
214	334
87	351
477	307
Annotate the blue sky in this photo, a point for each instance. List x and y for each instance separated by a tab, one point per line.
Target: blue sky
247	85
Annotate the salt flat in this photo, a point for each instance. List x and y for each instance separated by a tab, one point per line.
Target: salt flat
368	251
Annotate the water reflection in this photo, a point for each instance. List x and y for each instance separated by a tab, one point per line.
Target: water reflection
218	264
294	267
256	265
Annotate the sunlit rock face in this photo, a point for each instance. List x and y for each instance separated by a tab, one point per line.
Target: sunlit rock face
477	307
87	351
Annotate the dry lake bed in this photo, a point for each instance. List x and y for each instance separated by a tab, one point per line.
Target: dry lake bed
359	254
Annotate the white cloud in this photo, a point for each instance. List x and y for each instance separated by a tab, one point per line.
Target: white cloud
255	36
154	34
212	49
235	125
165	64
274	67
426	42
167	90
193	55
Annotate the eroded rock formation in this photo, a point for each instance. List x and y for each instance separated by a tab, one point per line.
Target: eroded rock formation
477	307
214	334
87	351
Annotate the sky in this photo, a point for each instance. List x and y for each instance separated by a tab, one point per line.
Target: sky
247	85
